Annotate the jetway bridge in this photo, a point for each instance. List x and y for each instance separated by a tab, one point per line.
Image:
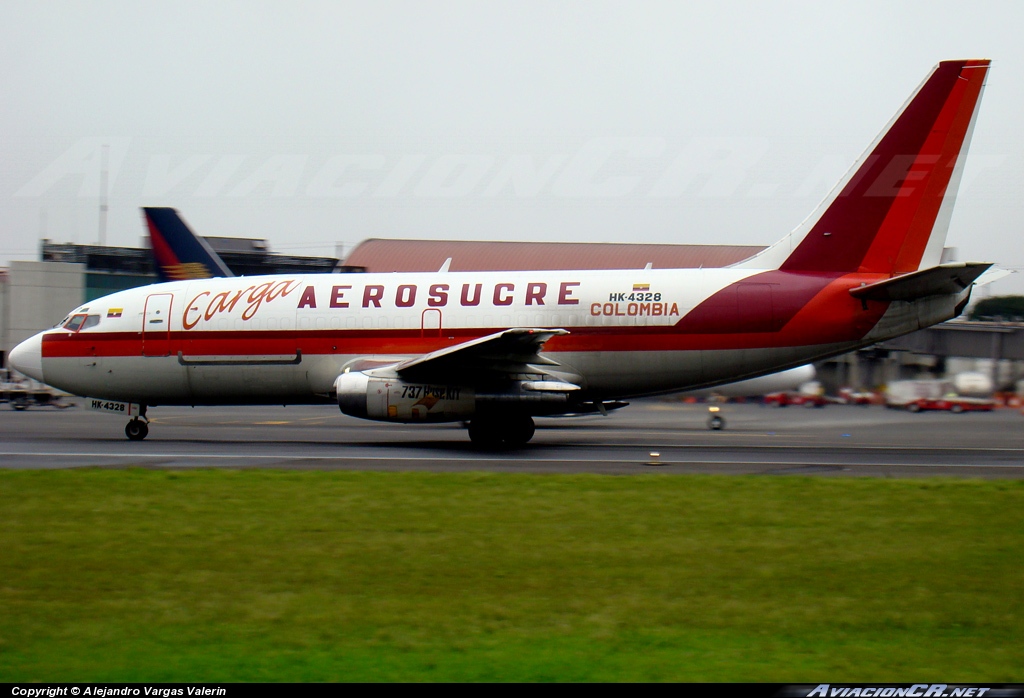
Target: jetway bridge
962	339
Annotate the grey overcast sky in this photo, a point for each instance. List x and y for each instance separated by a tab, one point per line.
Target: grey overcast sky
314	124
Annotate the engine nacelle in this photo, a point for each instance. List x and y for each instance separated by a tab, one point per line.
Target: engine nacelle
395	400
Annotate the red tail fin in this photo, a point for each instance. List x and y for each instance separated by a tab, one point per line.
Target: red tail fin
891	212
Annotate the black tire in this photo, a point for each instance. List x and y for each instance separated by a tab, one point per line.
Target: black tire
956	409
519	431
510	431
913	407
136	430
716	423
20	404
484	433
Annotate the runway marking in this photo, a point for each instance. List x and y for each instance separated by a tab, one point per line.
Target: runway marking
641	460
653	443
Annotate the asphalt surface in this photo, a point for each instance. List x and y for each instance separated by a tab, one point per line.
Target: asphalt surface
837	440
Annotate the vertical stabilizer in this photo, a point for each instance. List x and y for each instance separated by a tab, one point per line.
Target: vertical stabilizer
177	252
890	212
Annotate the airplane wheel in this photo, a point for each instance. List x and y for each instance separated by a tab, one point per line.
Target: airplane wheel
493	433
716	423
519	431
136	430
20	404
483	432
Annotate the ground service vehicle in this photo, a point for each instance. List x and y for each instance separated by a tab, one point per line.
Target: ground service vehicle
952	403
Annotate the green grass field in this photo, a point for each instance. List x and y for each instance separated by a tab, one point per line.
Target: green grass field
139	575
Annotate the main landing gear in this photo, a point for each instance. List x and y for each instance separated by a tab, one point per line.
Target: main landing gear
497	431
138	428
716	422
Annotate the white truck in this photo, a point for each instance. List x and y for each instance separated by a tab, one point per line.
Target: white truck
928	395
22	393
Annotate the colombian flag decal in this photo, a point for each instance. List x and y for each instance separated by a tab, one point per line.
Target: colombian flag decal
114	312
641	287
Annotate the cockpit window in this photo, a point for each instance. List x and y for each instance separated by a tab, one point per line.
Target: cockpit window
77	323
74	323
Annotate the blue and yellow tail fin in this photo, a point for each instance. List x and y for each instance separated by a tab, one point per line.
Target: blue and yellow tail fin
177	252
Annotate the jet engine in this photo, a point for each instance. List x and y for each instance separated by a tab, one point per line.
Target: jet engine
392	399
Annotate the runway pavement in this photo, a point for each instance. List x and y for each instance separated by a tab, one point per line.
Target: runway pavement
834	441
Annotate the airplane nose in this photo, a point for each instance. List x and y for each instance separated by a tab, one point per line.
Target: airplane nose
27	357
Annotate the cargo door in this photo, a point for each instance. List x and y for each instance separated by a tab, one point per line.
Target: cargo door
156	325
430	323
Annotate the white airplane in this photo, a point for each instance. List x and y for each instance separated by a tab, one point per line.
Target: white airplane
790	379
498	348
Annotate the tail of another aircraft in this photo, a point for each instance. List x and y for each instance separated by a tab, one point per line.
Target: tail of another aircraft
178	253
891	211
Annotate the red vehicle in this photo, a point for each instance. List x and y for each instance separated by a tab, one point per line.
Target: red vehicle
785	399
849	396
955	405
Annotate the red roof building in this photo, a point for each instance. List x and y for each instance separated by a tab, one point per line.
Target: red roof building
389	255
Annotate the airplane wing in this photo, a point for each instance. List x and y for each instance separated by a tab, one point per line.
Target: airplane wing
494	356
945	278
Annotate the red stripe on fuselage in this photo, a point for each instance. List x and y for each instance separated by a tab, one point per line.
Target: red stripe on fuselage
763	302
828	315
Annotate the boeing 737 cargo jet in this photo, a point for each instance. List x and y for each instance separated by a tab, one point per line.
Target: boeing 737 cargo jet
496	349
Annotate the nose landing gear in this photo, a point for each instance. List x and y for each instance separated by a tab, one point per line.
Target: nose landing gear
138	428
716	421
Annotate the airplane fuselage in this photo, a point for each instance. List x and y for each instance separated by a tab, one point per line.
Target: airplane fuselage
285	339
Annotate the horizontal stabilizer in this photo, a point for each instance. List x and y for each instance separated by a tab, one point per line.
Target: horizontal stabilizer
936	281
